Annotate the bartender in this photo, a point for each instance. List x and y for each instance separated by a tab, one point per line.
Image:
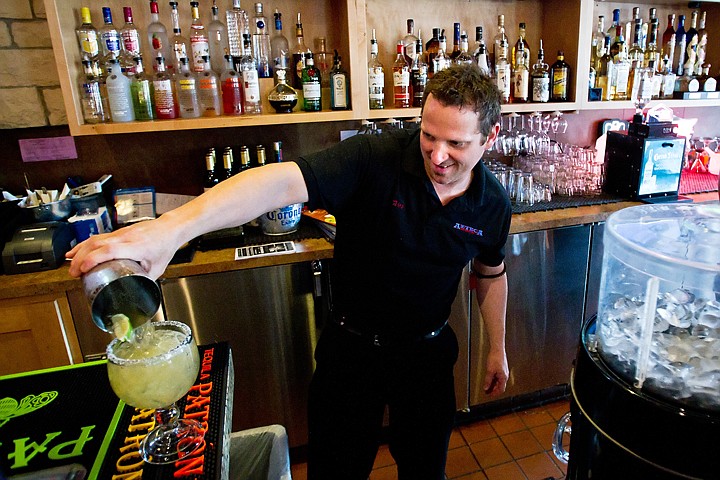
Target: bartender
413	208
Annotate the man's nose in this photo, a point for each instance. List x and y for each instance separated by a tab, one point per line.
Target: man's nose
439	153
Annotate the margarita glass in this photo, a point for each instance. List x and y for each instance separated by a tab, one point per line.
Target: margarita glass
155	370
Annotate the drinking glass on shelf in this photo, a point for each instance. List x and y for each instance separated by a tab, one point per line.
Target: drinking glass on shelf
155	370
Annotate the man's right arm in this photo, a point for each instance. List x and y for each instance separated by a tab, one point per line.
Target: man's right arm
231	203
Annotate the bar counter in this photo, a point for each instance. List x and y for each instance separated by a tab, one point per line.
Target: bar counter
58	280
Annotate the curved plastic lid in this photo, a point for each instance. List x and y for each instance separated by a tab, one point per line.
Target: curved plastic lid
684	235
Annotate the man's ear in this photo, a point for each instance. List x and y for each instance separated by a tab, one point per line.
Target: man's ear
492	136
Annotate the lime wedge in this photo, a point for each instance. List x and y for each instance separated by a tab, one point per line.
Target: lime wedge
122	327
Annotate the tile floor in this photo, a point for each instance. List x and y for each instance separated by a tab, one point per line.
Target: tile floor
516	446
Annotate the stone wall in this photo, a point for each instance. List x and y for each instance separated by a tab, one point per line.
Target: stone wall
30	93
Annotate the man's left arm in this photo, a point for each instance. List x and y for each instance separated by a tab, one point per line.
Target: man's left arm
491	291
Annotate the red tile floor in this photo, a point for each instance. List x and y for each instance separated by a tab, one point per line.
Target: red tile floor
515	446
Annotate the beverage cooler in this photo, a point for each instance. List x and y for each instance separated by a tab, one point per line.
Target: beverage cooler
646	382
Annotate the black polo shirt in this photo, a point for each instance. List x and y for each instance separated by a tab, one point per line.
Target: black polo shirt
399	253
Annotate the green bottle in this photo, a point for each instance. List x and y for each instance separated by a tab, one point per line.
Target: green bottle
142	92
312	96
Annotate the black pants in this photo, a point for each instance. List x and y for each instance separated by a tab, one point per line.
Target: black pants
355	380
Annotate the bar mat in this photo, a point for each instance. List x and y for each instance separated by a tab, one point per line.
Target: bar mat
568	202
693	182
255	236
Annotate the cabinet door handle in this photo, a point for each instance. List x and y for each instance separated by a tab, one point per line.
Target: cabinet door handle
316	268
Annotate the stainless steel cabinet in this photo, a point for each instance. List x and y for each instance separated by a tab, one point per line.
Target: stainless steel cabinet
546	281
271	317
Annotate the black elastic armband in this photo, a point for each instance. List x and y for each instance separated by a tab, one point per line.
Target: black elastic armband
494	275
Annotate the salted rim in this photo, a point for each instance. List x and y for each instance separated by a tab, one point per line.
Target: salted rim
114	359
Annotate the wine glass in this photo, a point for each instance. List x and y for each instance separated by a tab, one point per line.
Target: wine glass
155	370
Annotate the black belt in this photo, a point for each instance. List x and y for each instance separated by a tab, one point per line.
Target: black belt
380	340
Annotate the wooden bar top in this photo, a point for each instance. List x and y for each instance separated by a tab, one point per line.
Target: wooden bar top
59	281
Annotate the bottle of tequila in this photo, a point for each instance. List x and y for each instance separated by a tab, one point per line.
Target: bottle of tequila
158	42
209	90
597	43
143	92
217	41
376	76
232	89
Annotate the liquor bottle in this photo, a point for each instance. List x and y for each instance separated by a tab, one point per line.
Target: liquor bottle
119	97
299	53
646	27
481	55
526	47
620	76
604	71
615	23
279	46
91	100
680	42
464	57
431	49
232	89
110	44
706	83
180	45
186	87
166	104
376	77
339	85
208	86
131	43
636	54
282	97
311	80
441	61
323	62
277	152
199	42
560	76
540	78
618	43
251	84
418	75
651	50
158	42
456	41
479	40
261	42
691	43
521	77
237	25
668	42
498	43
217	41
142	92
597	43
410	41
227	168
401	78
210	179
88	39
702	44
503	76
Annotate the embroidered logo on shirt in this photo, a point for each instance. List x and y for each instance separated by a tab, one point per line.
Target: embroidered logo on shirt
398	204
466	229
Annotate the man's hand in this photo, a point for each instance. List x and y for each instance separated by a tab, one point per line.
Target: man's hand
497	373
150	243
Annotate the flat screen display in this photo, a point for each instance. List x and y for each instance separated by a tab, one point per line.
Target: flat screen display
661	167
